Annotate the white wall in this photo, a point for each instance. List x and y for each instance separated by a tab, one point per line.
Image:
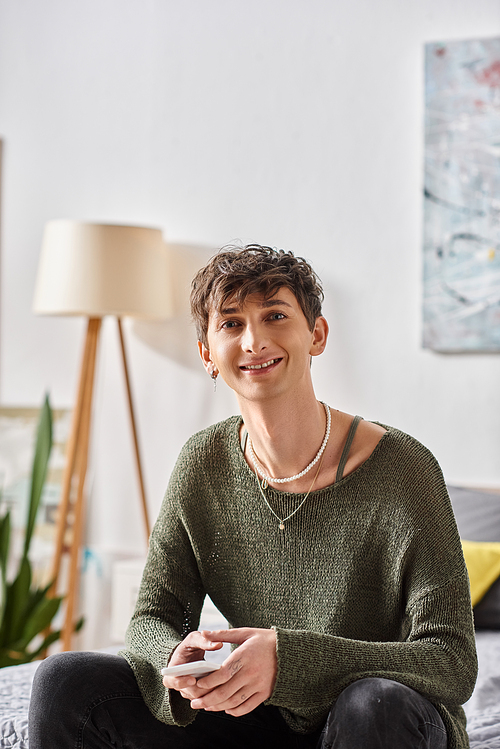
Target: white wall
294	123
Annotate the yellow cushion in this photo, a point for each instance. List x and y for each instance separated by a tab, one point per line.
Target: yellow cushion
483	565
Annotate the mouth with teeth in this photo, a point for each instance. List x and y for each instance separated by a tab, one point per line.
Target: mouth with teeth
264	365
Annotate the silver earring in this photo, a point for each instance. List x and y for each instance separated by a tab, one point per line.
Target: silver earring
213	375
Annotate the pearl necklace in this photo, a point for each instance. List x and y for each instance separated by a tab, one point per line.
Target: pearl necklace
267	479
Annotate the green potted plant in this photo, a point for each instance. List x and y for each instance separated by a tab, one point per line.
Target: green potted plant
26	610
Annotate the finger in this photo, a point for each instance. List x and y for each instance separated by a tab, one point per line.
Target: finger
198	640
246	706
193	648
242	701
236	636
212	643
222	696
178	682
226	672
199	691
224	682
193	693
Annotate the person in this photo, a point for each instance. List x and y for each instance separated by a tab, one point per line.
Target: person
327	541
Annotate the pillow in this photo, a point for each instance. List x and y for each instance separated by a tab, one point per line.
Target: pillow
483	565
487	611
477	513
478	519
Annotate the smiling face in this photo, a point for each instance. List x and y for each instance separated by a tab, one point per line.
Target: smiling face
262	348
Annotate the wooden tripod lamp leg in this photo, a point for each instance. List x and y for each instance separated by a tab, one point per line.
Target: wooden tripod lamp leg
74	446
134	434
79	504
75	467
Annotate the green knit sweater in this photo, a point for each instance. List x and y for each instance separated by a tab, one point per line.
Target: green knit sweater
367	579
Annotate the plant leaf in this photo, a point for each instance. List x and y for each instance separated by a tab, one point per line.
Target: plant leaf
39	620
17	595
4	556
39	471
25	612
79	624
35	596
7	659
4	542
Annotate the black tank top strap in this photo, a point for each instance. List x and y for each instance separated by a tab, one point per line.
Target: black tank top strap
347	447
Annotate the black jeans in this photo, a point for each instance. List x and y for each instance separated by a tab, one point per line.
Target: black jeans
91	701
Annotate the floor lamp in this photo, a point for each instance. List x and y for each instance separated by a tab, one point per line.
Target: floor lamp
95	270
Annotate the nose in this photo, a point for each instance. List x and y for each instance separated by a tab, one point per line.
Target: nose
253	340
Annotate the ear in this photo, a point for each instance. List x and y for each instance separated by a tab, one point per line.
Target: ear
320	336
206	359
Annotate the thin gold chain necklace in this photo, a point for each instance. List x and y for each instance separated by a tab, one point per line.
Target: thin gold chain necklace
282	521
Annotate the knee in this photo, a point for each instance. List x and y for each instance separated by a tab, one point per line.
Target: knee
54	670
373	704
371	695
376	712
62	672
53	679
66	687
86	672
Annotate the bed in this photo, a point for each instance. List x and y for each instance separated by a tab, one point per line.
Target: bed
478	518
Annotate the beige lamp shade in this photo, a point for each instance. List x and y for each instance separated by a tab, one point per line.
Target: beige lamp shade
102	269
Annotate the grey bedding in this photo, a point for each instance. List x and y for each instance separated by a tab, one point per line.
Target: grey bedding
15	685
483	709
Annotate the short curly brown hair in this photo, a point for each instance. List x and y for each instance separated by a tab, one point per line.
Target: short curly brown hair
236	272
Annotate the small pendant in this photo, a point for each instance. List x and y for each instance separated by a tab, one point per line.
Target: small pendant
264	484
282	526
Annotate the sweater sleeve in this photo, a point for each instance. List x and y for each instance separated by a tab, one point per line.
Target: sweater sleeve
437	657
434	650
168	606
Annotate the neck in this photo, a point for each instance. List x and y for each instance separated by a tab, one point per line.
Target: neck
285	436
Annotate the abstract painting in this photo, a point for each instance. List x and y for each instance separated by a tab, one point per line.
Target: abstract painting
462	196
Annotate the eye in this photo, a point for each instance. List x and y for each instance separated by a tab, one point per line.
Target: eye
277	316
229	324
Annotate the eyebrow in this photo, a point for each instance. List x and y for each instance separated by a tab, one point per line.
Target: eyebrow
265	304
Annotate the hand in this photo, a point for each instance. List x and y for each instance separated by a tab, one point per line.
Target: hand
192	648
246	678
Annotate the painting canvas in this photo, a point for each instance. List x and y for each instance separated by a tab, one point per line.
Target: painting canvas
462	196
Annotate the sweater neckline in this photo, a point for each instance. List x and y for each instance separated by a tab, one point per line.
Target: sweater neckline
236	449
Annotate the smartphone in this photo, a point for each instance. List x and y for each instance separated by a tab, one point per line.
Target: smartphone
196	668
